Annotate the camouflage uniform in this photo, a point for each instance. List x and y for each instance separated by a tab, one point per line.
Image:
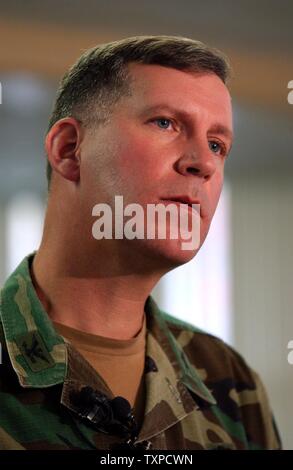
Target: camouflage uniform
200	394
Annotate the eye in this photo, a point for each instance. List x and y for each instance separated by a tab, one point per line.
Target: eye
163	123
217	146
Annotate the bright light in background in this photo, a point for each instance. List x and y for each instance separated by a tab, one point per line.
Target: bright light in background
200	292
24	224
25	94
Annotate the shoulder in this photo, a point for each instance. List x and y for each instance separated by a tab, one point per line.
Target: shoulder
219	365
207	350
237	387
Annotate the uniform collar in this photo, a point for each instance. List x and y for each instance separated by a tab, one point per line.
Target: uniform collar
39	355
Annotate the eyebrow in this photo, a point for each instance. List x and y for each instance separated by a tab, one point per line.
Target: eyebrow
220	129
217	128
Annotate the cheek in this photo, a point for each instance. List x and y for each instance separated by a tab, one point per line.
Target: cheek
139	160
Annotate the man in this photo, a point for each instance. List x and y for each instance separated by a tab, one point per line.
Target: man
149	119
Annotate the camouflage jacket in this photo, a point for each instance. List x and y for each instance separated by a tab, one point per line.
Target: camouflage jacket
200	393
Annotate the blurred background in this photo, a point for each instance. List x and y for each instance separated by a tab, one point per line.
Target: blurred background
239	286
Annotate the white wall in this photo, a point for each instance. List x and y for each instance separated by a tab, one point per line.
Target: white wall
263	285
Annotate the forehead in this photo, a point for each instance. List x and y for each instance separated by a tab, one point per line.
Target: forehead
192	91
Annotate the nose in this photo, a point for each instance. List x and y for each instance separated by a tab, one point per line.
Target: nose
197	160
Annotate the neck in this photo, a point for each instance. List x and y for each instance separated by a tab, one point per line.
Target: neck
104	298
98	287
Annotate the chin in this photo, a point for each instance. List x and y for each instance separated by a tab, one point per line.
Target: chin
168	253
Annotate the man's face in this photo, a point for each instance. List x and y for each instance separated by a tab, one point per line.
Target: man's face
169	138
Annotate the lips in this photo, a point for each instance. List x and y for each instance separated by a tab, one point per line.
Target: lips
188	201
182	200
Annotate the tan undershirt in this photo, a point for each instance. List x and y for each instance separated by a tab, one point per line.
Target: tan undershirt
119	362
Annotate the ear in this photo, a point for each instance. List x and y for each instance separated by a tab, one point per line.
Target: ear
63	148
